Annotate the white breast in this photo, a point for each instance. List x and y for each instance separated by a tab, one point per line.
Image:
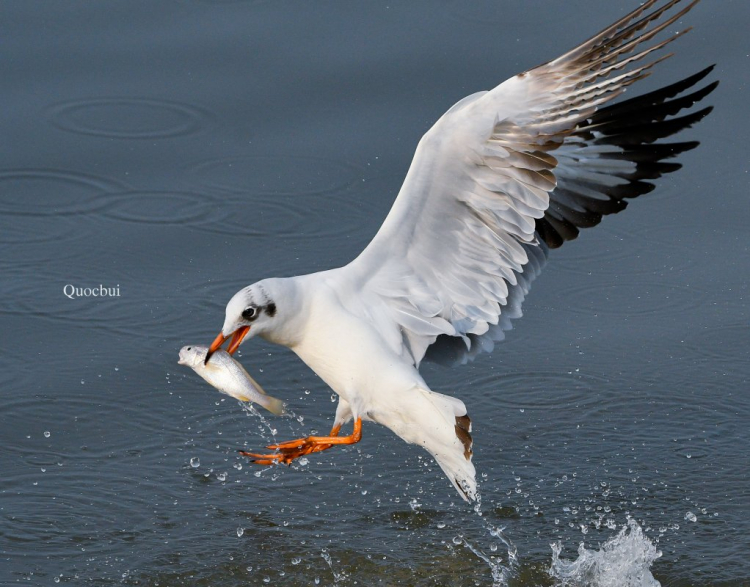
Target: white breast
348	353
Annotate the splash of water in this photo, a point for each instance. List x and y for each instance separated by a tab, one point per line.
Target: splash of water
622	561
265	425
338	578
501	574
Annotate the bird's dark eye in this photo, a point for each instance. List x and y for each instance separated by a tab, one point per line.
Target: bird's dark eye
190	348
250	313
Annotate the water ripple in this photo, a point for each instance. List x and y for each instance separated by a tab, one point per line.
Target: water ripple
213	295
11	377
38	514
161	207
633	299
726	344
541	390
289	197
288	175
43	229
637	248
123	314
248	2
52	192
488	12
95	411
129	118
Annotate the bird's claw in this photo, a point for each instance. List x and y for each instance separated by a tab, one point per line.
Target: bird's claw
299	442
288	451
293	449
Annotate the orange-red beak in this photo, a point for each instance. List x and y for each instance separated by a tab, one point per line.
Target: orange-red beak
237	337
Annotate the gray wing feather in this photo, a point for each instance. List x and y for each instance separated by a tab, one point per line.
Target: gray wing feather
500	175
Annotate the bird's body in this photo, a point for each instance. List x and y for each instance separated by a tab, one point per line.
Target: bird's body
499	179
326	324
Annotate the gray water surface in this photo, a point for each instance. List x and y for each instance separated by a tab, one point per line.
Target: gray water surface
180	150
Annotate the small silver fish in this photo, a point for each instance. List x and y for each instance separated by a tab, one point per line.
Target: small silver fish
228	376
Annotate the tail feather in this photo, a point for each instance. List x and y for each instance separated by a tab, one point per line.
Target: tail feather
459	468
440	424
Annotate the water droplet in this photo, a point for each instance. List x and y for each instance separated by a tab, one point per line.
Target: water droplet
266	579
240	532
303	461
250	568
441	525
457	540
57	579
46	433
691	517
296	560
195	462
221	476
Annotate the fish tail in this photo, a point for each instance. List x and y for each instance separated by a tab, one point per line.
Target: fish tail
275	406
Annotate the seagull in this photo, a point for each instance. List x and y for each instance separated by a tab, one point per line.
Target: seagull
501	178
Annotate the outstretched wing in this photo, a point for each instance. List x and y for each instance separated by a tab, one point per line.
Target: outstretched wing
504	171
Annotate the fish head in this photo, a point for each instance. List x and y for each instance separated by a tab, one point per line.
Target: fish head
192	355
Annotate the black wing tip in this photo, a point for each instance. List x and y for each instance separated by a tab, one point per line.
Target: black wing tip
640	141
697	116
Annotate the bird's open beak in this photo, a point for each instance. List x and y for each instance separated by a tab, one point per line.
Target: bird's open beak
237	337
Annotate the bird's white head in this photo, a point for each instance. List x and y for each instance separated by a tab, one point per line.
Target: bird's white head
257	309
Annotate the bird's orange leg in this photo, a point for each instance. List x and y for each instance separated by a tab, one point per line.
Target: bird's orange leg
293	449
334	432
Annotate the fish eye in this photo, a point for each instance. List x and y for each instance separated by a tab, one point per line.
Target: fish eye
250	313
